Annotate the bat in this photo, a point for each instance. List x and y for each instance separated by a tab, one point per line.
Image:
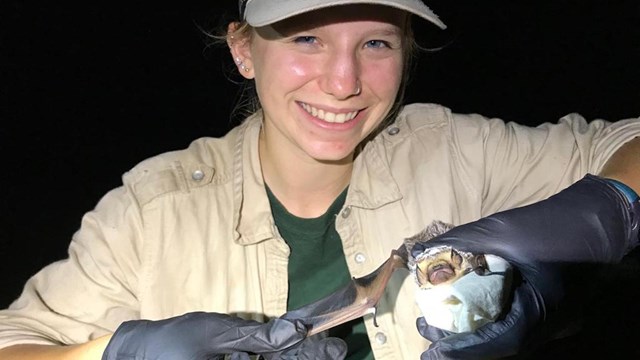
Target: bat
433	267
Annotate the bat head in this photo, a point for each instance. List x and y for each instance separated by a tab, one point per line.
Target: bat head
445	267
441	265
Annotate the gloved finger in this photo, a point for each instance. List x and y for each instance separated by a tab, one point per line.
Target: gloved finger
329	348
429	332
494	340
474	237
237	356
258	338
318	346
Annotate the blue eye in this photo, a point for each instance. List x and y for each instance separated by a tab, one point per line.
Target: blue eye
376	44
305	39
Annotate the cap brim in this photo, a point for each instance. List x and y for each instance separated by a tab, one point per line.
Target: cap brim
261	13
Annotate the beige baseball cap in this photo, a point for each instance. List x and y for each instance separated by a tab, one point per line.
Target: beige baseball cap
264	12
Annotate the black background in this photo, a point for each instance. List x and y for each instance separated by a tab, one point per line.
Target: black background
88	90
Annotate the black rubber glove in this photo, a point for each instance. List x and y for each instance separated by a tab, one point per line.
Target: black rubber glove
318	346
201	335
589	223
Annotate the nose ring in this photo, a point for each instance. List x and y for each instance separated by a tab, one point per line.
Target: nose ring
358	89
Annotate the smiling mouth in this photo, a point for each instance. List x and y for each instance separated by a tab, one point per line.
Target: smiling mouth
328	116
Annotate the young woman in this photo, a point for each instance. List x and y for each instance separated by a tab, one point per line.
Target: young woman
200	250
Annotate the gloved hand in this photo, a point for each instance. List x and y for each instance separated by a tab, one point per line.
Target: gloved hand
587	224
201	335
318	346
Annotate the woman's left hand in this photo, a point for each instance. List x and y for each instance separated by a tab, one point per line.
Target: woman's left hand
586	225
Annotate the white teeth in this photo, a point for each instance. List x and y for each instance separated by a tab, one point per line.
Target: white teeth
329	116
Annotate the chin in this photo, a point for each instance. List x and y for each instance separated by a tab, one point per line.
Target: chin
334	159
332	155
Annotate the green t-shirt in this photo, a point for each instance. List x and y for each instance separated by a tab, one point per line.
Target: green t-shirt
317	267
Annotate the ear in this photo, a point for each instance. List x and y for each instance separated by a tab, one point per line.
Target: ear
421	273
239	42
456	259
480	264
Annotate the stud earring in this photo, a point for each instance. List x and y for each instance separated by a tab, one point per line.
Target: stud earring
241	64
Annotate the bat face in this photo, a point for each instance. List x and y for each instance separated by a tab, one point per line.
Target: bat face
442	265
447	266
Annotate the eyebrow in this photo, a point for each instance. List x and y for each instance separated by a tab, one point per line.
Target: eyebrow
390	31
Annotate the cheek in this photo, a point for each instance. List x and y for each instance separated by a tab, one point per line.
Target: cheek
384	78
299	68
283	67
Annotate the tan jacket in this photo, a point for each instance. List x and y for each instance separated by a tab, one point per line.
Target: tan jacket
192	230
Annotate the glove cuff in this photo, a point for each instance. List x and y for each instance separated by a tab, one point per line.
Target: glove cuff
628	192
125	340
634	204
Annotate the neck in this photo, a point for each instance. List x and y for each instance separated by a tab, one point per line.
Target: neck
306	187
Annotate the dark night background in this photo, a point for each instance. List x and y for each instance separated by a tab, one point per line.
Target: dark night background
87	90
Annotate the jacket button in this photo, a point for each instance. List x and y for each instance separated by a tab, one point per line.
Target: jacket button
381	338
393	130
346	212
197	175
360	258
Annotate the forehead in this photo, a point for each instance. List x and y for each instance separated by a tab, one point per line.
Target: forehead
343	14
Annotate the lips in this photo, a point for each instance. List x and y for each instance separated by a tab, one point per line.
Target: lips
329	116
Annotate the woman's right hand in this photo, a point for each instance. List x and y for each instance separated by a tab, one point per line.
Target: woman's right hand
202	335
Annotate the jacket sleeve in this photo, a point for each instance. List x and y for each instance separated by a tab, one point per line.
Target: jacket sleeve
92	291
511	165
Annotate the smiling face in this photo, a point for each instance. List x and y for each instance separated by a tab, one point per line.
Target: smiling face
326	79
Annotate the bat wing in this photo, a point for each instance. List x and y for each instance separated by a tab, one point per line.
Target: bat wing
356	299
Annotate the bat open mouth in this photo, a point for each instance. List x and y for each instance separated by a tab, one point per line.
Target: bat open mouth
440	273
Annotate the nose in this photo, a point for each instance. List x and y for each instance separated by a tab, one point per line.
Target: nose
341	75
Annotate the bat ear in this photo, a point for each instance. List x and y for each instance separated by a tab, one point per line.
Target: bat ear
479	264
421	274
456	258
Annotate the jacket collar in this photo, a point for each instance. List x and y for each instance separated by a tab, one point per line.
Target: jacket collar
253	221
372	183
